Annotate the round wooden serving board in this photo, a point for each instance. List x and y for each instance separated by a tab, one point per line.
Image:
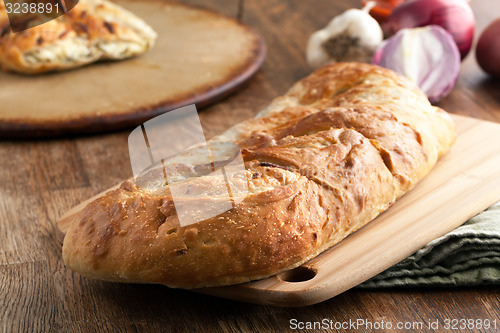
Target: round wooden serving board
199	57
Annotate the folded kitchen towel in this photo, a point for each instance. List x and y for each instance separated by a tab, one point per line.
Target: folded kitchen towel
468	255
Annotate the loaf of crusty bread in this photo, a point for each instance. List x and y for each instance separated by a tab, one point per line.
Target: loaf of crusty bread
94	30
321	161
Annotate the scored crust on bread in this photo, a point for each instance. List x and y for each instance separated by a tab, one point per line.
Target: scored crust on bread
321	162
93	30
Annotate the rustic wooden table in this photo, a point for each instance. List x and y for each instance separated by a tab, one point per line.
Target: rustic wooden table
42	179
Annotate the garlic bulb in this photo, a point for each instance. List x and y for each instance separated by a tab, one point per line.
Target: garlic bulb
351	36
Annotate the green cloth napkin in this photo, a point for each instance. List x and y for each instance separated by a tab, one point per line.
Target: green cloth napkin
469	255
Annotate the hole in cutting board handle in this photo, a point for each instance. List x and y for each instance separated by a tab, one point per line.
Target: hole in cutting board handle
299	274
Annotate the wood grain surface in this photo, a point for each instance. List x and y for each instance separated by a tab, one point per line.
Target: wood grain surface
462	184
40	180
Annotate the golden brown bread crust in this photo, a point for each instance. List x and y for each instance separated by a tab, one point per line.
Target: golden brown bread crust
94	30
322	161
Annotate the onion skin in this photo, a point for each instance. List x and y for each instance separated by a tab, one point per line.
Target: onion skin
428	56
455	16
488	49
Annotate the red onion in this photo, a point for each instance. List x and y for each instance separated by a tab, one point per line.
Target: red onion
488	49
455	16
428	56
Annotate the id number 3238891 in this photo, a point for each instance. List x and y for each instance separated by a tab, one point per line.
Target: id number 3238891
32	8
473	324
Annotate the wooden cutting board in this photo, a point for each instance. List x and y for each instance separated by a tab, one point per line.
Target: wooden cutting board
463	183
199	57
